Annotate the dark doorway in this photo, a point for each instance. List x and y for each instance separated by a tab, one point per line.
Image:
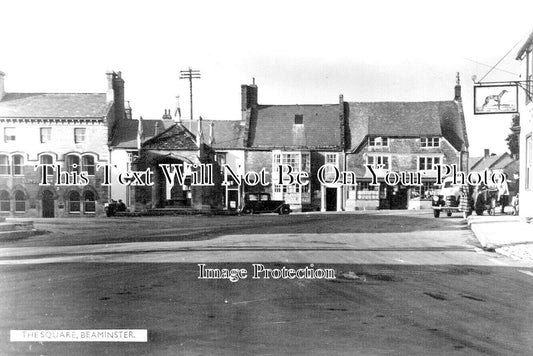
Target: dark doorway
48	204
331	199
398	198
233	199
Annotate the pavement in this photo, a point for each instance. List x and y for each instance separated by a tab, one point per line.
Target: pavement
506	234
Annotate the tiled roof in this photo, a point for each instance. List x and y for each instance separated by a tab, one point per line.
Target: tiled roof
228	134
125	135
405	119
274	127
57	106
176	137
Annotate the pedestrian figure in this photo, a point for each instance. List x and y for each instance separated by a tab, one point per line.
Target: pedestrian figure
503	193
465	201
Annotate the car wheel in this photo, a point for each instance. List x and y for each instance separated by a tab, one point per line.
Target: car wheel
285	210
436	213
449	213
479	211
247	211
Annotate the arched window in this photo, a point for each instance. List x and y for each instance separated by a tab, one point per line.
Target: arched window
18	165
74	202
88	164
48	159
5	168
20	201
89	202
73	163
5	205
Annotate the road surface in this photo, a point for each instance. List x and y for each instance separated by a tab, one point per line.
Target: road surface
406	283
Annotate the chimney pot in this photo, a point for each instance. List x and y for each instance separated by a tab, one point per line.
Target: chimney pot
458	88
487	153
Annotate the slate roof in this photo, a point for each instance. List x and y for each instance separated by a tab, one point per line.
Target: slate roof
51	105
503	161
405	119
175	138
273	127
125	135
228	134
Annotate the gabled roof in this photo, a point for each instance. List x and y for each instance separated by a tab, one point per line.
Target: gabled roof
53	106
228	134
503	161
175	138
274	127
405	119
125	135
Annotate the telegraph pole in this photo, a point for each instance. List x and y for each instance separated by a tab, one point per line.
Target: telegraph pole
190	74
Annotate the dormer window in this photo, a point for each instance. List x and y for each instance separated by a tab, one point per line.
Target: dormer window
430	142
298	119
378	141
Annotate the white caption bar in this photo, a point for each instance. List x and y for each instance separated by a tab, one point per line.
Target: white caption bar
98	335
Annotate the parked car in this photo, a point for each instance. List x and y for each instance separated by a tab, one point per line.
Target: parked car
446	198
255	203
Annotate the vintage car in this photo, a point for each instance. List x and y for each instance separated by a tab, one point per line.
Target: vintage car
261	203
446	198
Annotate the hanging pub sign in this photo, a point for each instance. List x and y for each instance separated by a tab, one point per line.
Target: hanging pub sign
495	99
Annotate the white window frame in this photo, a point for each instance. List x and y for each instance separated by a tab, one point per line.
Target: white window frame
297	160
6	165
379	158
46	134
10	134
14	167
378	141
430	142
425	158
78	137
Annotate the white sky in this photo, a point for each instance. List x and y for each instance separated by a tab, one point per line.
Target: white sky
298	51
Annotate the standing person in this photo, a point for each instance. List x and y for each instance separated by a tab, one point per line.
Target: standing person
503	193
465	203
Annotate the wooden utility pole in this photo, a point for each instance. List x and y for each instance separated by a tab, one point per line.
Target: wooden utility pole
190	74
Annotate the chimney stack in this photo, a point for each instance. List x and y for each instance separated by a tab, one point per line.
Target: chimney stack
248	96
2	92
127	110
487	153
166	115
458	89
156	128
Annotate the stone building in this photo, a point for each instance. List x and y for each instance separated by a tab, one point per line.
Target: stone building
67	130
402	136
